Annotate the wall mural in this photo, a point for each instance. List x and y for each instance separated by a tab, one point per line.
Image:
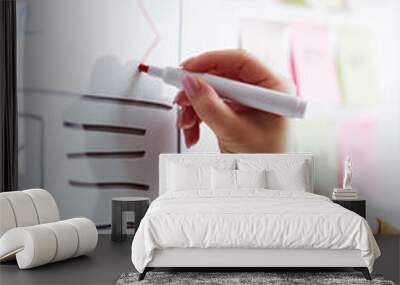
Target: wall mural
102	126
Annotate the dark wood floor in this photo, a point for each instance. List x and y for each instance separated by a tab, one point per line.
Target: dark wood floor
110	260
102	266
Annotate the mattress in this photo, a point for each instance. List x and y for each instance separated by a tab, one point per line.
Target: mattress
252	219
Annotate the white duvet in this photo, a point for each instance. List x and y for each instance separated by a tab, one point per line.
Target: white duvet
250	219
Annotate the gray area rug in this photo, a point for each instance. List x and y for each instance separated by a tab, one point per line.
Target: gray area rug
225	278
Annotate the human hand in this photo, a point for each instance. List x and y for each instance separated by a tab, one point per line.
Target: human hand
239	129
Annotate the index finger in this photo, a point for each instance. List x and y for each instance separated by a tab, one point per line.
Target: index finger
234	63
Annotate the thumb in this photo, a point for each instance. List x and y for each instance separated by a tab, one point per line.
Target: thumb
209	106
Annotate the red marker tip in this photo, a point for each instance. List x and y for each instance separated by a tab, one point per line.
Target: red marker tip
143	68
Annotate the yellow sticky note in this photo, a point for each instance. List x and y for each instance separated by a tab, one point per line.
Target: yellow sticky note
356	67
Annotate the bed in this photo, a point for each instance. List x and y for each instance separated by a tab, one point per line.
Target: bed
247	211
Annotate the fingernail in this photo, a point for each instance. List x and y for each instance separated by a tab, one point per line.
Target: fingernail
191	85
188	143
179	119
187	139
186	61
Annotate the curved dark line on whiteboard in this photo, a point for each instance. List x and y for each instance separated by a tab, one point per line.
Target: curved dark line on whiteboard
109	185
105	128
107	154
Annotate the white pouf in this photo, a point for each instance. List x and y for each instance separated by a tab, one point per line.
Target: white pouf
30	230
37	245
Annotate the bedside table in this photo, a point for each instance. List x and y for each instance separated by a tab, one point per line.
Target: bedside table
127	210
357	206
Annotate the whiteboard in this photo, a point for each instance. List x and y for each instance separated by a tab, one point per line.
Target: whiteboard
103	124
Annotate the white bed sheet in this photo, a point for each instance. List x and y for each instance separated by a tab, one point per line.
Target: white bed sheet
251	218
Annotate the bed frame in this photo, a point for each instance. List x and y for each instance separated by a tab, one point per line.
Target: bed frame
234	259
246	259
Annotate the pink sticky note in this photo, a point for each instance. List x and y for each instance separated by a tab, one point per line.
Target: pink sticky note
357	140
313	64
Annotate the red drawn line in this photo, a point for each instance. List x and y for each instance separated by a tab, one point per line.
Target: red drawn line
153	28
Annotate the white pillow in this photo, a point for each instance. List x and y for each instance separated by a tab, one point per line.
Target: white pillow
251	178
293	179
223	179
188	177
282	174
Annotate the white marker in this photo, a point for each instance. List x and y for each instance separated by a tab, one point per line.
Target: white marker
260	98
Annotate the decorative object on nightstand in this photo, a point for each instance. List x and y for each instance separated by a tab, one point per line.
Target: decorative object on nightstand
127	212
343	194
348	174
346	192
358	206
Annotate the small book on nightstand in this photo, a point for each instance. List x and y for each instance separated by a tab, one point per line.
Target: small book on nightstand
344	194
